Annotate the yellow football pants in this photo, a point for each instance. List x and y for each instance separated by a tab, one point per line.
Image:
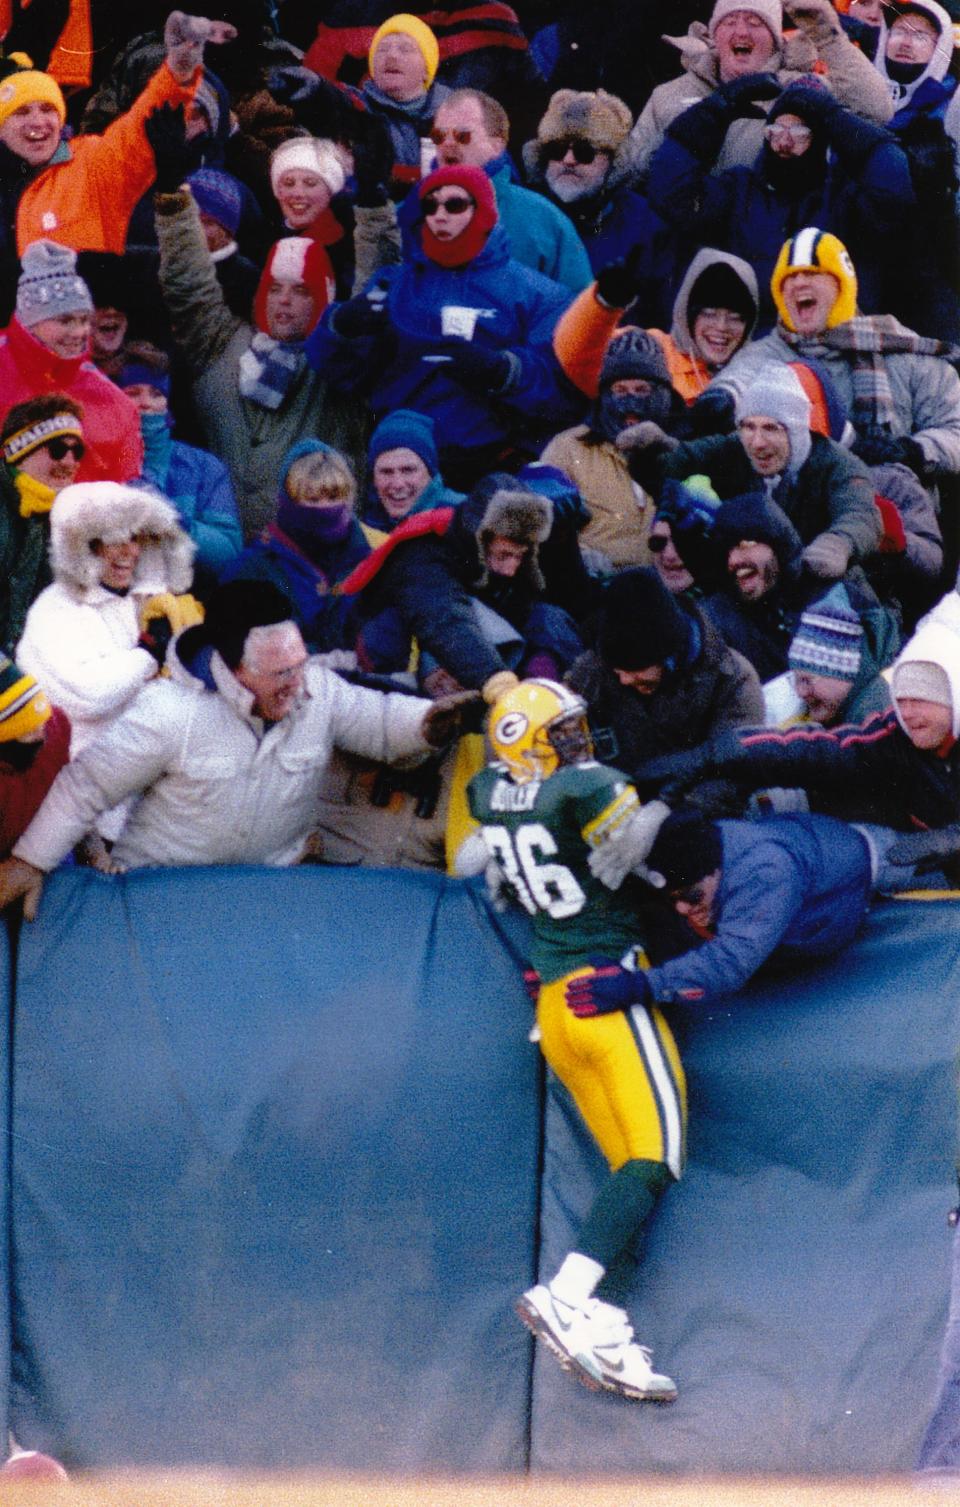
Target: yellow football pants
625	1075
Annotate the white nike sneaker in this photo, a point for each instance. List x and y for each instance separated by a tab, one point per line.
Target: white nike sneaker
623	1365
565	1330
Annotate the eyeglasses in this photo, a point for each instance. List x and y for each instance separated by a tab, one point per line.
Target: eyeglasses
902	27
583	152
439	136
457	204
777	131
727	318
59	449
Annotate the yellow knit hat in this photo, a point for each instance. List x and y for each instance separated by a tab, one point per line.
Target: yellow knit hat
410	26
23	706
29	86
813	250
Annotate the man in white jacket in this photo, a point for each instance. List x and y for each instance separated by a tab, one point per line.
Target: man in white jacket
227	755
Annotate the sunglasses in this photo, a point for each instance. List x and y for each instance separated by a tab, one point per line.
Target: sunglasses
583	152
657	543
462	138
457	204
58	449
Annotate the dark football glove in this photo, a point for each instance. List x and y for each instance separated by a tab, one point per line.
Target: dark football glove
173	155
608	988
358	317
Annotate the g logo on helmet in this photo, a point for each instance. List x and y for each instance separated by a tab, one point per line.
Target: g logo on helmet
511	728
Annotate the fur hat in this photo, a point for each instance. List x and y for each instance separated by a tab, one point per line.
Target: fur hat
769	11
404	429
634	353
28	86
315	155
829	638
23	706
776	393
813	250
111	512
639	623
594	116
410	26
499	504
50	285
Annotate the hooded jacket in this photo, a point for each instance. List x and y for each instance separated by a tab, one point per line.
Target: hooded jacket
517	311
715	688
111	424
80	639
689	373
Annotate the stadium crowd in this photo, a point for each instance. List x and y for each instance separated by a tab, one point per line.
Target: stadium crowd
358	371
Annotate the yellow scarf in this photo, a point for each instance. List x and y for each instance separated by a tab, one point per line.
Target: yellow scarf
35	496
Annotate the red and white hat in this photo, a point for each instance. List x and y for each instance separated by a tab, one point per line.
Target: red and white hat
296	259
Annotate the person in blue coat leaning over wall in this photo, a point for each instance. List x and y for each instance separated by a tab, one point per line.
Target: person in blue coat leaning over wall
783	892
459	331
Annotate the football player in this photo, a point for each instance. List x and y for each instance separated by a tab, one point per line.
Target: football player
557	825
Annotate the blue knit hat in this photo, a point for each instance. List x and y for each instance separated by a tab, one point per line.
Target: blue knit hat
217	195
829	638
406	430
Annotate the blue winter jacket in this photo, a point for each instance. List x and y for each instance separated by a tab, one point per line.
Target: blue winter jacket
517	311
200	487
793	890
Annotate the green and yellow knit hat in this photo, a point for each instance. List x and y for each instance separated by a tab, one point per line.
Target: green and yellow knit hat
28	86
410	26
813	250
23	706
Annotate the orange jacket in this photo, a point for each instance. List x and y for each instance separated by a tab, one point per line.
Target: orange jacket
85	199
584	331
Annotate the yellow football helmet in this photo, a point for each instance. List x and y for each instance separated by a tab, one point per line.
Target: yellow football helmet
538	726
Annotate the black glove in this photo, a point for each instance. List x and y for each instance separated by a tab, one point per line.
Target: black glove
478	368
316	104
359	317
738	97
878	447
175	159
676	772
925	851
618	283
155	638
445	718
714	412
373	158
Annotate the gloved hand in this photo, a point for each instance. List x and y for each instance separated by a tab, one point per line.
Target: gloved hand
499	683
477	367
828	555
155	638
293	85
184	37
626	849
878	447
646	436
360	317
373	158
676	772
925	851
714	412
608	988
618	283
444	718
174	158
685	509
739	97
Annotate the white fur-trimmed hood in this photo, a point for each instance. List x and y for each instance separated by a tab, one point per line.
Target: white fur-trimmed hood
111	512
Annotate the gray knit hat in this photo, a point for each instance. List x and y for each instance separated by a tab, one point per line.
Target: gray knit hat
769	11
50	285
634	353
776	394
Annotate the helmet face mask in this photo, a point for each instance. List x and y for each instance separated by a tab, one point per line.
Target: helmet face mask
538	727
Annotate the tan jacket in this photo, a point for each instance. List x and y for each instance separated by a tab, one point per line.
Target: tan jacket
622	511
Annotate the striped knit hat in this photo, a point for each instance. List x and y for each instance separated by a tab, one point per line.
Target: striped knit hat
829	638
23	706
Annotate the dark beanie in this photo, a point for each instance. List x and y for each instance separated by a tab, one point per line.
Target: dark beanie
405	429
640	623
232	610
719	287
634	353
687	848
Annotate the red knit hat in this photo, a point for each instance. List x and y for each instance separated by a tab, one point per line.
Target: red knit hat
475	182
296	259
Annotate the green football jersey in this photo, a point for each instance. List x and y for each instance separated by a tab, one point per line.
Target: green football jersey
541	834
